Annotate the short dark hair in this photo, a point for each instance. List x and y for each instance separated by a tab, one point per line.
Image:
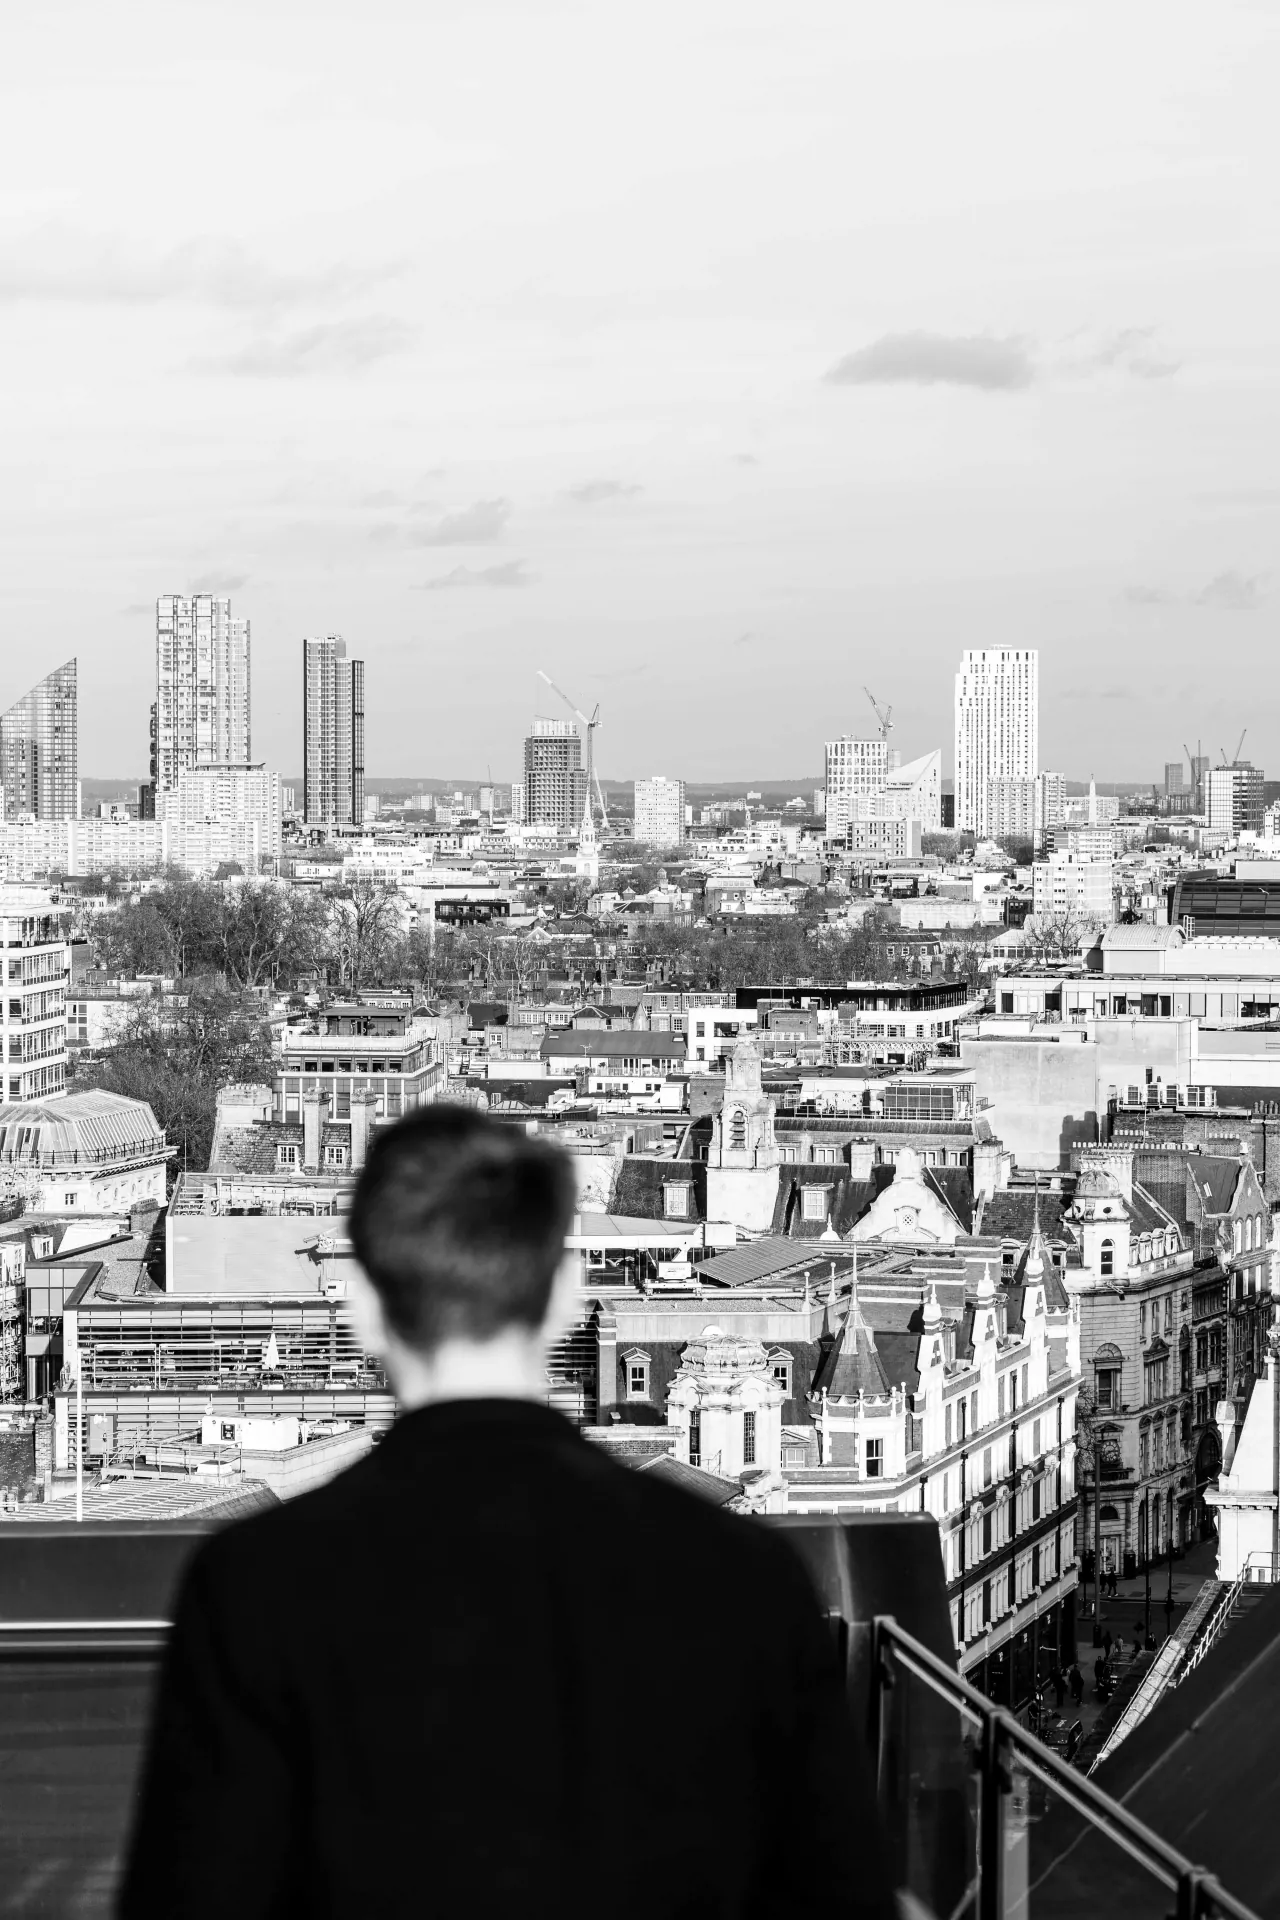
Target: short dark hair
460	1224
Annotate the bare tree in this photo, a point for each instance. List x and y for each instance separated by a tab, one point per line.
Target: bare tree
363	925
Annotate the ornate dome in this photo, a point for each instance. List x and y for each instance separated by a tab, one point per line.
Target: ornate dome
1095	1183
715	1351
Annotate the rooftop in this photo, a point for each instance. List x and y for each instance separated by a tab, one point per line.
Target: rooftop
91	1128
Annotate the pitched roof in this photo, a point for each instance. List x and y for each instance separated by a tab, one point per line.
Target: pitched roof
642	1179
1011	1215
708	1486
754	1260
848	1199
853	1364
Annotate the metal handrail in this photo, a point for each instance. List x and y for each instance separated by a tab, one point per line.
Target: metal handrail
1222	1612
1002	1739
53	1640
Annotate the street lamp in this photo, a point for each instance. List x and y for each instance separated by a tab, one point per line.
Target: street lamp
1168	1599
1146	1569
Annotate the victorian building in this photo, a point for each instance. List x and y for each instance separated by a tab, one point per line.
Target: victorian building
878	1376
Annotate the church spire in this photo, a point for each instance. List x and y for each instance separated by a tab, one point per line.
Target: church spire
1034	1270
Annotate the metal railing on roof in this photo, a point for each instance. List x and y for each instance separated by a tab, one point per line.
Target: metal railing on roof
1028	1820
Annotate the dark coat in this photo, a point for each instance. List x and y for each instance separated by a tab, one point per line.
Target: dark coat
490	1672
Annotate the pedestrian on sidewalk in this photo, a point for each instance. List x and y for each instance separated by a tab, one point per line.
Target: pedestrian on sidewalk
1077	1683
1059	1688
1106	1643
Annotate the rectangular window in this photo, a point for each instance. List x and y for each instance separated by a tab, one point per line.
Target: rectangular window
1000	1397
748	1439
1025	1377
973	1412
1035	1438
1035	1566
986	1532
637	1380
875	1459
986	1467
947	1427
695	1438
1035	1499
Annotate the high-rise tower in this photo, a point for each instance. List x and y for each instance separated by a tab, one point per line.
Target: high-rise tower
202	686
997	726
555	780
39	750
332	733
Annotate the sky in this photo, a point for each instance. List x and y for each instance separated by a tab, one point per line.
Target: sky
720	360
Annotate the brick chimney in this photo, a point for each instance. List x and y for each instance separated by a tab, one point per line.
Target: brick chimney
363	1108
315	1111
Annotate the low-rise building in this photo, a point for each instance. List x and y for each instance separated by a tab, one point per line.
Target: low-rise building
370	1045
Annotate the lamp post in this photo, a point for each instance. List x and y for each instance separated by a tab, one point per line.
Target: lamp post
1168	1599
1146	1570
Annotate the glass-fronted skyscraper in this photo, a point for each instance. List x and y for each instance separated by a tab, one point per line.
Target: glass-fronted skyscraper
332	733
201	714
40	752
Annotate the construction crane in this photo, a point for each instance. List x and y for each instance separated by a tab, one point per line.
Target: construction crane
593	778
885	719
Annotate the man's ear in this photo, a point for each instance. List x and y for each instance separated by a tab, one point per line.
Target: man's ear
368	1319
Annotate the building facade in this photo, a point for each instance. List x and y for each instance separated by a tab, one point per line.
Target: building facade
1233	800
35	959
248	796
1011	809
332	733
39	750
555	781
856	770
1066	884
996	726
202	712
659	812
1051	801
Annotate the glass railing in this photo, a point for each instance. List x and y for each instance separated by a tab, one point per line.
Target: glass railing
984	1822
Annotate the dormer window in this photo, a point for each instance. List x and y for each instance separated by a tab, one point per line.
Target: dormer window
813	1203
780	1365
637	1364
335	1156
286	1157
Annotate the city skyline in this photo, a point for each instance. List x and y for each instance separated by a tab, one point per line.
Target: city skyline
776	387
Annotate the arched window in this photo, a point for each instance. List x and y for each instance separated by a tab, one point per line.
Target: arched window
1107	1260
738	1129
1239	1237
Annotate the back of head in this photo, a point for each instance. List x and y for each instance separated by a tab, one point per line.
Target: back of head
460	1224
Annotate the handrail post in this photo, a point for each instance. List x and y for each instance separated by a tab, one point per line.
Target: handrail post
1190	1885
995	1786
881	1680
